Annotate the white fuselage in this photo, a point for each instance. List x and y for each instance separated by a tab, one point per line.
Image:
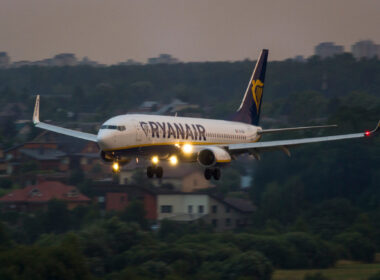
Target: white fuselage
127	132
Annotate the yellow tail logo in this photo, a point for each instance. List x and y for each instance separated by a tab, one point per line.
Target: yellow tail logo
257	92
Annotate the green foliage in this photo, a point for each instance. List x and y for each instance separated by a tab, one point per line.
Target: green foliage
230	182
135	212
376	276
57	217
252	265
33	262
315	276
358	246
5	183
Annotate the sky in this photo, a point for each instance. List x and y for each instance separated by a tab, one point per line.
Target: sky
111	31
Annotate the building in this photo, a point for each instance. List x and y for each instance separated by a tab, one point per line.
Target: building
163	59
182	207
111	196
33	156
38	196
166	204
64	59
229	213
328	49
4	60
54	157
129	62
222	213
365	49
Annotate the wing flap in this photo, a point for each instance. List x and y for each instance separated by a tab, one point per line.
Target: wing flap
274	130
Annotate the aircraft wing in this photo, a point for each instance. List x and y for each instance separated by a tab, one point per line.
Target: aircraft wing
285	144
58	129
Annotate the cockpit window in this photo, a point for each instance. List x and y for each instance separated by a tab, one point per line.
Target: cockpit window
114	127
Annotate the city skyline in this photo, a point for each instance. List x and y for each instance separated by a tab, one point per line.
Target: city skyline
115	31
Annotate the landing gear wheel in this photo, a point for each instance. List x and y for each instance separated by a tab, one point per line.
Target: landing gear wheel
150	172
208	173
217	174
159	172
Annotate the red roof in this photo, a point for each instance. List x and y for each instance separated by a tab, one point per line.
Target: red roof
44	192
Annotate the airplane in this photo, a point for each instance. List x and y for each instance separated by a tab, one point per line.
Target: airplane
212	143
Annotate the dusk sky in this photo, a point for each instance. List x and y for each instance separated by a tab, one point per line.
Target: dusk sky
111	31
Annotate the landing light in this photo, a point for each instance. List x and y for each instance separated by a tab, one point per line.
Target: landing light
155	160
187	148
115	167
173	160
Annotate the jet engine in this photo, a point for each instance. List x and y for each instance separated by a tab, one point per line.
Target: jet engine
211	156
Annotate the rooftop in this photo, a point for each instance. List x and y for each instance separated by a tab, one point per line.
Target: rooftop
45	192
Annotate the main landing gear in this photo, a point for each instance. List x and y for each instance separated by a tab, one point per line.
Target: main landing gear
154	170
212	172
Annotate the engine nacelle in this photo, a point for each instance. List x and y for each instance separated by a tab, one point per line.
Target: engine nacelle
211	156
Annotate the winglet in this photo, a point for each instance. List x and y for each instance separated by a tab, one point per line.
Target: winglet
377	129
370	133
36	114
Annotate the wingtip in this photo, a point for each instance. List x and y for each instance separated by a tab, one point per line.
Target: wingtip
374	131
36	113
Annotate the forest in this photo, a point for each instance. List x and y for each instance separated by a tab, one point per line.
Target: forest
318	206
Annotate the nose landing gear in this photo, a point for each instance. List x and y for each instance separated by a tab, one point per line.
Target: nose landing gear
154	170
212	172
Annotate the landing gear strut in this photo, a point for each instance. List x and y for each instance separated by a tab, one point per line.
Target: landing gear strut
210	172
154	170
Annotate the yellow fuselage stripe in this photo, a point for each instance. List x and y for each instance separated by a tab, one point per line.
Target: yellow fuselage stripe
172	144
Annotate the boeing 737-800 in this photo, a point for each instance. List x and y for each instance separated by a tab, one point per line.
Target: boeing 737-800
211	143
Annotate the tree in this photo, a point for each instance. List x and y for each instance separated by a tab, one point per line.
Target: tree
135	212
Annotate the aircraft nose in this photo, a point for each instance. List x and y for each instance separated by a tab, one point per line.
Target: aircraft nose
105	139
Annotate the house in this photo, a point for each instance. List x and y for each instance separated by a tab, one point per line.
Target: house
222	213
229	213
182	207
38	196
35	156
161	203
111	196
50	152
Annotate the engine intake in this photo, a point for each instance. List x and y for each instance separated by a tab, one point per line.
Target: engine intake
212	156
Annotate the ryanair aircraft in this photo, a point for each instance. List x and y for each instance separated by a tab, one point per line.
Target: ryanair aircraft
211	143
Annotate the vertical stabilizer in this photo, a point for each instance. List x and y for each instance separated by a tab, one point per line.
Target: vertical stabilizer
249	110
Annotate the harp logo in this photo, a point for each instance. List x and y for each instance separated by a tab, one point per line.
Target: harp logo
257	92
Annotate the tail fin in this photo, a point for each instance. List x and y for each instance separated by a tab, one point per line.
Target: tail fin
249	110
